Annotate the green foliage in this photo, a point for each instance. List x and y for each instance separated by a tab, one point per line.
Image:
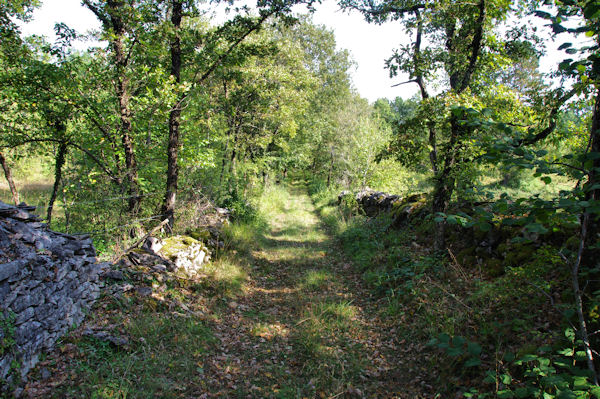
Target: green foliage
548	373
7	332
466	354
241	209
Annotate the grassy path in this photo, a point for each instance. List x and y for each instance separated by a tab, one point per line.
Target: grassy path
281	316
304	326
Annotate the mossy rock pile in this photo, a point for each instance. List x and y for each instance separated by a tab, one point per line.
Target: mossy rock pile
374	203
175	245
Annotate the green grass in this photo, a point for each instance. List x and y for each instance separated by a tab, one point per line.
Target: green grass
315	280
224	276
164	360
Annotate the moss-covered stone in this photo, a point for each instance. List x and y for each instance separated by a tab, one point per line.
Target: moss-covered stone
518	254
200	235
502	249
176	244
494	267
465	255
401	210
572	243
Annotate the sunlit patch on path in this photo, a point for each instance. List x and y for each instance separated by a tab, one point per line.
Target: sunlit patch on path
305	325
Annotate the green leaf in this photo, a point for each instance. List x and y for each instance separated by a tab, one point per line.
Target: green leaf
567	352
509	356
505	393
580	382
522	393
473	362
443	337
474	348
570	334
458	341
542	14
454	352
484	227
536	228
565	45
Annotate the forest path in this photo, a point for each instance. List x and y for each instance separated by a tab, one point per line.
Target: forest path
305	325
281	315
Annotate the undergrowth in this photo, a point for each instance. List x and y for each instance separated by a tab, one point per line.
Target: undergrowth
518	312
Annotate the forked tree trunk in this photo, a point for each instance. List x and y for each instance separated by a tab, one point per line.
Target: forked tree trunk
9	179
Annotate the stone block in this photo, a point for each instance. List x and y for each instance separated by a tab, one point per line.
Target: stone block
24	316
10	269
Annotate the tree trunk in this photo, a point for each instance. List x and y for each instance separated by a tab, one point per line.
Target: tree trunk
330	170
123	95
460	79
588	232
445	183
174	120
9	179
58	165
595	148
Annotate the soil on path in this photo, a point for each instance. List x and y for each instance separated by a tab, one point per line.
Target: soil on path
305	325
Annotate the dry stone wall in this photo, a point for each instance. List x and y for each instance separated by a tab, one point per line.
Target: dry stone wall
48	281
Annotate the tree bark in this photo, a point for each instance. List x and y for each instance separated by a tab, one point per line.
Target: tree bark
595	148
59	162
112	19
124	96
9	179
174	120
589	229
445	182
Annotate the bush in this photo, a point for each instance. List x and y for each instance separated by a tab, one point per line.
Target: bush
241	209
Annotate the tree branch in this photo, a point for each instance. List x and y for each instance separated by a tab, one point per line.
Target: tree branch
72	144
97	12
475	47
403	83
550	128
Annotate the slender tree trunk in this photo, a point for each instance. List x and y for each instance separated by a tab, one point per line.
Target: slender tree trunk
67	212
330	170
418	74
9	179
578	297
174	120
595	148
223	164
123	94
59	162
445	183
231	181
227	111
